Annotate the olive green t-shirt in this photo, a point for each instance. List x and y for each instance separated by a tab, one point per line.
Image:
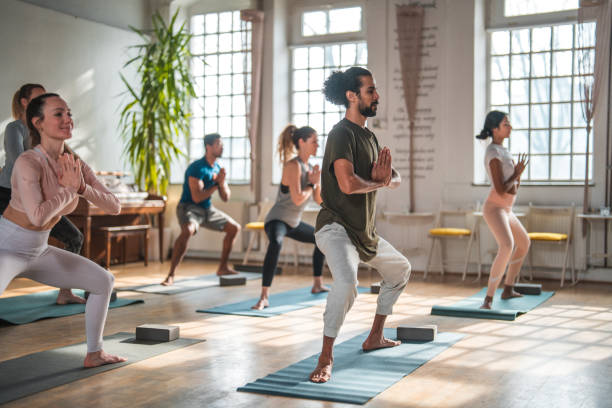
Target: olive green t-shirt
355	212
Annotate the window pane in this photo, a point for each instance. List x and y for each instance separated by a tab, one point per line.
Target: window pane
211	65
315	102
520	41
196	108
579	141
579	119
539	142
210	43
238	105
225	127
210	85
198	86
499	67
499	93
520	116
225	85
540	64
540	90
560	167
345	20
300	80
225	22
238	168
584	61
197	45
538	167
540	116
561	140
519	142
210	125
197	67
211	23
562	63
210	106
525	7
562	37
238	63
520	66
519	91
362	54
316	79
579	167
300	58
300	102
314	23
239	126
197	25
348	54
300	120
196	147
585	34
561	89
315	121
238	84
317	57
225	106
541	39
225	42
225	64
561	115
500	42
197	127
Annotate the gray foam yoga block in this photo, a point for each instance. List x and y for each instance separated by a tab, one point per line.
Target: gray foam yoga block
157	332
528	288
375	287
417	333
232	280
112	299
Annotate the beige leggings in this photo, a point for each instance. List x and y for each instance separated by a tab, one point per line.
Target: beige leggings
512	241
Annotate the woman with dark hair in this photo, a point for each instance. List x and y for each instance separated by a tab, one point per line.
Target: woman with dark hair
299	182
16	141
505	176
46	184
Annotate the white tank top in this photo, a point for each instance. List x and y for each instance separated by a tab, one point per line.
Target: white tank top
495	151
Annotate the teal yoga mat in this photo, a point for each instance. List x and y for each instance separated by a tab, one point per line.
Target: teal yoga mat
357	376
185	285
29	308
41	371
502	309
280	303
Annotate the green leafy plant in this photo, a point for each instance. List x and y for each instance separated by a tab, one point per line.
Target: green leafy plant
156	115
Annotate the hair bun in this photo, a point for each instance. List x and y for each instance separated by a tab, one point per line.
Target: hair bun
484	133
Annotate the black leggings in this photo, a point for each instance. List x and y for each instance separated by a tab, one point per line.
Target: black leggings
64	231
276	230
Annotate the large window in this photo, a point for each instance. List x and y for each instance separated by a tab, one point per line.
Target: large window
535	74
311	64
222	69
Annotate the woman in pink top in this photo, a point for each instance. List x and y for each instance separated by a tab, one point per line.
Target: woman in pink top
46	184
505	177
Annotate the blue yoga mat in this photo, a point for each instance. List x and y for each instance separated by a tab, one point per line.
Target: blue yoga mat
357	376
185	285
279	303
502	309
29	308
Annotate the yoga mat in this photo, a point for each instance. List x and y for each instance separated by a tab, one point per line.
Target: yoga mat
40	371
507	309
357	376
280	303
29	308
185	285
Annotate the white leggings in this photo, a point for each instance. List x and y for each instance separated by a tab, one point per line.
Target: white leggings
25	254
343	260
510	236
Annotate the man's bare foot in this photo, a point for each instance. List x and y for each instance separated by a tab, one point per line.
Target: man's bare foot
65	296
322	372
486	304
378	343
226	270
169	281
261	304
99	358
510	293
319	289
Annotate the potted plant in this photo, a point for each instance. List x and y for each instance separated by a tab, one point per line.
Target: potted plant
156	114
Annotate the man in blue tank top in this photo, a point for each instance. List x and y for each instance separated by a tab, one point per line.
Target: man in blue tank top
202	178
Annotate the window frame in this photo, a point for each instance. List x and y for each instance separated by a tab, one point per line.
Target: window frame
302	7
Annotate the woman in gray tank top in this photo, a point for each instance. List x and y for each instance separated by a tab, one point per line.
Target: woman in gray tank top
299	182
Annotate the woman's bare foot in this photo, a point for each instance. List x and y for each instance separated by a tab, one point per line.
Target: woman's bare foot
323	370
169	281
378	343
98	358
226	270
319	288
65	296
510	293
488	301
261	304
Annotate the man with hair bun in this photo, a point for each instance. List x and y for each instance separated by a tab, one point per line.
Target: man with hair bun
202	178
354	168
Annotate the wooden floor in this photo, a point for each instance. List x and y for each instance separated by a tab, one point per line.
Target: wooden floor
558	355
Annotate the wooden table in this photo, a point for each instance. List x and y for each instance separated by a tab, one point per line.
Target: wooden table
590	218
85	212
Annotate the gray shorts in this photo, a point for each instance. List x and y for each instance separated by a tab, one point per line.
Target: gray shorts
210	218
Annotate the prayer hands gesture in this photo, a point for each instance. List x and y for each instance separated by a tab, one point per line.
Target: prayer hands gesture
381	169
520	166
69	171
314	176
221	176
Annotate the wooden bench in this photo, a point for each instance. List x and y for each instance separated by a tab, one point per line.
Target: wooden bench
124	231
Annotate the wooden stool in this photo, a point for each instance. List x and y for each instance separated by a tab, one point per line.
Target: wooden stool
124	231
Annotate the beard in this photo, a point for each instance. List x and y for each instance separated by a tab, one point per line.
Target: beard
368	111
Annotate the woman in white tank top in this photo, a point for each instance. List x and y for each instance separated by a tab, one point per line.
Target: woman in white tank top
508	231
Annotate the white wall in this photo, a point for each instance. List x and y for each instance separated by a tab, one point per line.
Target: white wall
80	60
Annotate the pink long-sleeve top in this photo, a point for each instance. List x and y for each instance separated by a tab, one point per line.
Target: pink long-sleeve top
38	200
